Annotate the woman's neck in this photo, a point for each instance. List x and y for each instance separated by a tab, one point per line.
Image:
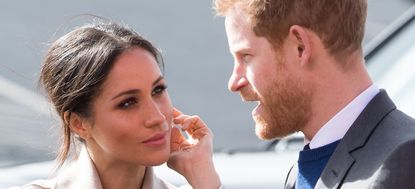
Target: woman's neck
115	177
116	174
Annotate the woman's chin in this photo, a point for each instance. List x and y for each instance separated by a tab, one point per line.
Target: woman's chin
157	163
158	159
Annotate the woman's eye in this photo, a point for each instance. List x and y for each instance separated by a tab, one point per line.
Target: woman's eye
159	90
127	103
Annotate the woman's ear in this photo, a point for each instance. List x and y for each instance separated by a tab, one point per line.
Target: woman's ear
302	43
77	124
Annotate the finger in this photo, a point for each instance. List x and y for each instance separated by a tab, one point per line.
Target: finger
176	135
193	123
195	127
200	133
176	112
180	119
186	124
177	139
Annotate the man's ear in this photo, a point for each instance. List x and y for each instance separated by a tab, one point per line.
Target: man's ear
77	124
300	37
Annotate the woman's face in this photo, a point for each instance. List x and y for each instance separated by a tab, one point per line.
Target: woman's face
132	114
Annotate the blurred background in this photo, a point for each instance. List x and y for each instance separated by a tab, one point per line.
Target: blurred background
192	40
197	66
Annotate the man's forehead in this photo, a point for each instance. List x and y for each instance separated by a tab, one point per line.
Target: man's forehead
237	30
236	18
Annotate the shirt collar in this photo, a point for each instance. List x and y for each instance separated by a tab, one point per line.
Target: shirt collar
337	126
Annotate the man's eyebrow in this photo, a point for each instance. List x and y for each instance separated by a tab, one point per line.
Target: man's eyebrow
240	49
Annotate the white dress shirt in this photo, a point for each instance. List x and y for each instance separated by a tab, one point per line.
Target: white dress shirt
337	126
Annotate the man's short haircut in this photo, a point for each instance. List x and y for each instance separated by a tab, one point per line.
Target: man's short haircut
339	23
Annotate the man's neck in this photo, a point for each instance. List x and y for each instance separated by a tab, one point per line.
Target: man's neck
335	88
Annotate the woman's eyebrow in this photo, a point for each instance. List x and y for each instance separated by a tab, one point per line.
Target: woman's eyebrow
135	91
158	80
128	92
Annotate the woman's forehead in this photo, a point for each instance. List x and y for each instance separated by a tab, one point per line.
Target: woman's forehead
135	68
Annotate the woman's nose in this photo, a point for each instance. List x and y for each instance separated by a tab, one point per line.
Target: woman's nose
154	117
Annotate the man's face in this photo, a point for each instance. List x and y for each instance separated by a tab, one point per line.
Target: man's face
263	75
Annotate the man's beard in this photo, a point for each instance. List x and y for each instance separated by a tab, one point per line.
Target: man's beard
286	109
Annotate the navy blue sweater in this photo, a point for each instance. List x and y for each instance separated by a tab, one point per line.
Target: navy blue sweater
311	163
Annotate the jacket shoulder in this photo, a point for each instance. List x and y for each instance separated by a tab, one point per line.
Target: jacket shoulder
398	169
38	184
397	126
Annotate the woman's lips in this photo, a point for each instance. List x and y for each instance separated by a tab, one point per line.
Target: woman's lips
156	140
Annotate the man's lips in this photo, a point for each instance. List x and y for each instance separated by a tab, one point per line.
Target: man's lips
249	98
257	109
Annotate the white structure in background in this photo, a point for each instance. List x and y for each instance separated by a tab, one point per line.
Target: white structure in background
22	96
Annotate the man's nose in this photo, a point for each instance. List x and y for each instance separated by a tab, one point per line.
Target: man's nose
237	79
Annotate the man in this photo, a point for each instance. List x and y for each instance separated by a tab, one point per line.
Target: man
302	62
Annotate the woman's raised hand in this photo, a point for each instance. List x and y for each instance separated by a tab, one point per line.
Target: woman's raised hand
192	157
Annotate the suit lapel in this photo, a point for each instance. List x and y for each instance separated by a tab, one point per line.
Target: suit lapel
341	161
291	177
335	170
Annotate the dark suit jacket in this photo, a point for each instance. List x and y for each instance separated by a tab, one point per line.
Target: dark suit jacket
378	151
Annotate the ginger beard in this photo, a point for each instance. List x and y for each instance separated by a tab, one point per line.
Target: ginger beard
285	106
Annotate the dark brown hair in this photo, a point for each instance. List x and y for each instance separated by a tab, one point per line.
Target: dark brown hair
77	64
340	24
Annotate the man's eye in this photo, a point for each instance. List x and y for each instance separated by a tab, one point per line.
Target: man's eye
159	90
127	103
245	58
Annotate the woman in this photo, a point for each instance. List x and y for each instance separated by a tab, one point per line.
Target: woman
105	83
